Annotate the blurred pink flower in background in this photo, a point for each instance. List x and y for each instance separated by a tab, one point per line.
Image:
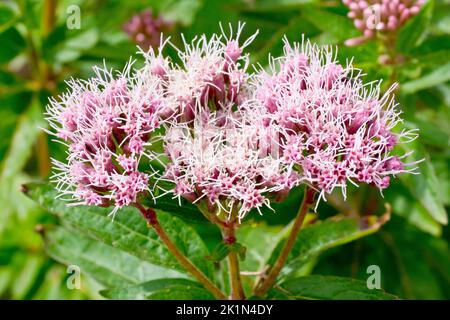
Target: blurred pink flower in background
146	28
383	16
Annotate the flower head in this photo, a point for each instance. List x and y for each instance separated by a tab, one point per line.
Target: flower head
211	75
107	123
340	129
227	162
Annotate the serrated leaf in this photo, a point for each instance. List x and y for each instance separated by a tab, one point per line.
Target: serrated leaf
107	265
128	231
323	235
162	289
319	287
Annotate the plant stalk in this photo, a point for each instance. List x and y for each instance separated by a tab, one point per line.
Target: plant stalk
150	216
47	81
265	284
237	292
229	237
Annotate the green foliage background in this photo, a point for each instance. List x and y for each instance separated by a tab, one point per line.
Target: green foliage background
35	58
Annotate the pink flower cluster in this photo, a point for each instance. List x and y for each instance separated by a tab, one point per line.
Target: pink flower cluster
212	75
384	16
340	130
233	141
216	153
146	29
107	124
226	163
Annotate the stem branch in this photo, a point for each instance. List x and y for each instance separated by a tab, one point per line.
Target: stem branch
265	284
150	216
237	293
229	237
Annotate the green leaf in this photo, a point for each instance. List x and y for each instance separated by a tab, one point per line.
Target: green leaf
20	150
439	75
425	186
412	33
274	46
431	133
64	45
220	252
182	208
430	59
6	275
413	264
162	289
207	19
181	10
27	130
262	240
26	277
128	231
328	288
404	205
239	249
7	17
107	265
323	235
336	28
273	5
420	271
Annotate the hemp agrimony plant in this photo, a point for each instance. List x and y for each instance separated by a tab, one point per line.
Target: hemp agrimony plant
206	130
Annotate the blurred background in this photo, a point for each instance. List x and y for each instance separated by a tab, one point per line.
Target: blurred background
46	42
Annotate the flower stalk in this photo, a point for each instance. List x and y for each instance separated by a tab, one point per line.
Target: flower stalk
266	283
237	292
152	220
229	238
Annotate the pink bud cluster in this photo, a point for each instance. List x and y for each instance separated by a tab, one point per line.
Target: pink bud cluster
384	16
340	130
146	29
107	124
